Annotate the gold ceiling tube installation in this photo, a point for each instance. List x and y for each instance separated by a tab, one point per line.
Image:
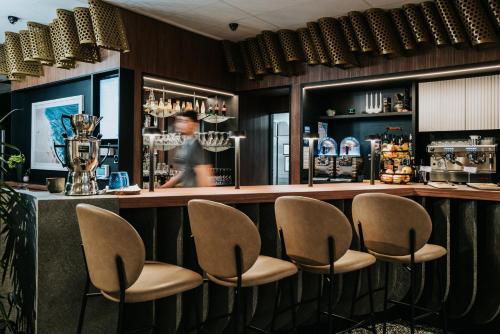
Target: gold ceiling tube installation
72	36
345	41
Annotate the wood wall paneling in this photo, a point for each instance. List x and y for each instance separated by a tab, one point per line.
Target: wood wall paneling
109	60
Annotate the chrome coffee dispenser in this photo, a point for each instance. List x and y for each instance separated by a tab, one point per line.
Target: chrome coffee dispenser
81	154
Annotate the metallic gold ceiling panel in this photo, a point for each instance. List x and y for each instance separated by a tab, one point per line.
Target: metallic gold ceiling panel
436	27
71	47
15	62
405	34
59	60
349	35
232	56
259	68
41	44
274	52
3	60
26	49
290	45
335	43
68	34
362	31
246	60
417	23
84	25
308	46
494	7
109	29
451	22
263	52
477	23
317	40
383	31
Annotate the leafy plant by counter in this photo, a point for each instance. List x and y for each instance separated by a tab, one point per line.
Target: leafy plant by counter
15	160
17	262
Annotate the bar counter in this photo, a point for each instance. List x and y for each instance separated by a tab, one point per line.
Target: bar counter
465	221
268	194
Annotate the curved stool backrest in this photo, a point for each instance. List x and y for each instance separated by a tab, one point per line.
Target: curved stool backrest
387	220
307	225
106	236
217	230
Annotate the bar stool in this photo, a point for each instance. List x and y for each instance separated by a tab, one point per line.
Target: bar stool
317	237
115	264
228	249
396	230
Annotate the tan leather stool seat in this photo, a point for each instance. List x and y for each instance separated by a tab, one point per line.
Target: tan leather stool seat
427	253
351	261
158	280
265	270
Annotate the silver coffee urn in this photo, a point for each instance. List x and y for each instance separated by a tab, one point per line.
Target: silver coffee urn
81	155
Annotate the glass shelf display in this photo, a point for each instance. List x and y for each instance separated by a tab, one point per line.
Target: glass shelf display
215	141
214	119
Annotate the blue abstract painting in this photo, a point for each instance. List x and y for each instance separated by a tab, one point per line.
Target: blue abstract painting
47	129
53	115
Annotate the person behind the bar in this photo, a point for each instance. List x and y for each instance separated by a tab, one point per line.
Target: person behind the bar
190	158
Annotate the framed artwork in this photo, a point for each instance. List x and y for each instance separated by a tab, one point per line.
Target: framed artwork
47	129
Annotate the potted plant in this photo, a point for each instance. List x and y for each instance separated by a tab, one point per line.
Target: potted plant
16	161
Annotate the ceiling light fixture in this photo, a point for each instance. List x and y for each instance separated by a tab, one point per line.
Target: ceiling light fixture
174	92
178	84
408	76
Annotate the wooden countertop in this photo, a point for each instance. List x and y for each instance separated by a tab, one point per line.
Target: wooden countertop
268	194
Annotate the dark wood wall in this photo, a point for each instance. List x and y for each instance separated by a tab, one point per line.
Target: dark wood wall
167	51
429	59
109	60
255	119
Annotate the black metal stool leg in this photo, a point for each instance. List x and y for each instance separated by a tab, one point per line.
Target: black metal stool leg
330	305
121	279
81	318
354	296
331	255
318	301
275	309
292	303
386	294
370	295
412	281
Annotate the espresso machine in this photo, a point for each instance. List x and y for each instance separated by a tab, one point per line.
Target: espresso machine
81	154
463	160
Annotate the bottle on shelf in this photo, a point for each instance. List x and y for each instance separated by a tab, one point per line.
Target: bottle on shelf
210	109
169	106
224	108
197	106
202	108
178	106
183	106
216	109
189	106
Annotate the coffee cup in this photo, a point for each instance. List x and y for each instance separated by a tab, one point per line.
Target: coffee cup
55	184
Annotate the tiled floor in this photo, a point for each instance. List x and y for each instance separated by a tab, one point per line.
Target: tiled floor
397	328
